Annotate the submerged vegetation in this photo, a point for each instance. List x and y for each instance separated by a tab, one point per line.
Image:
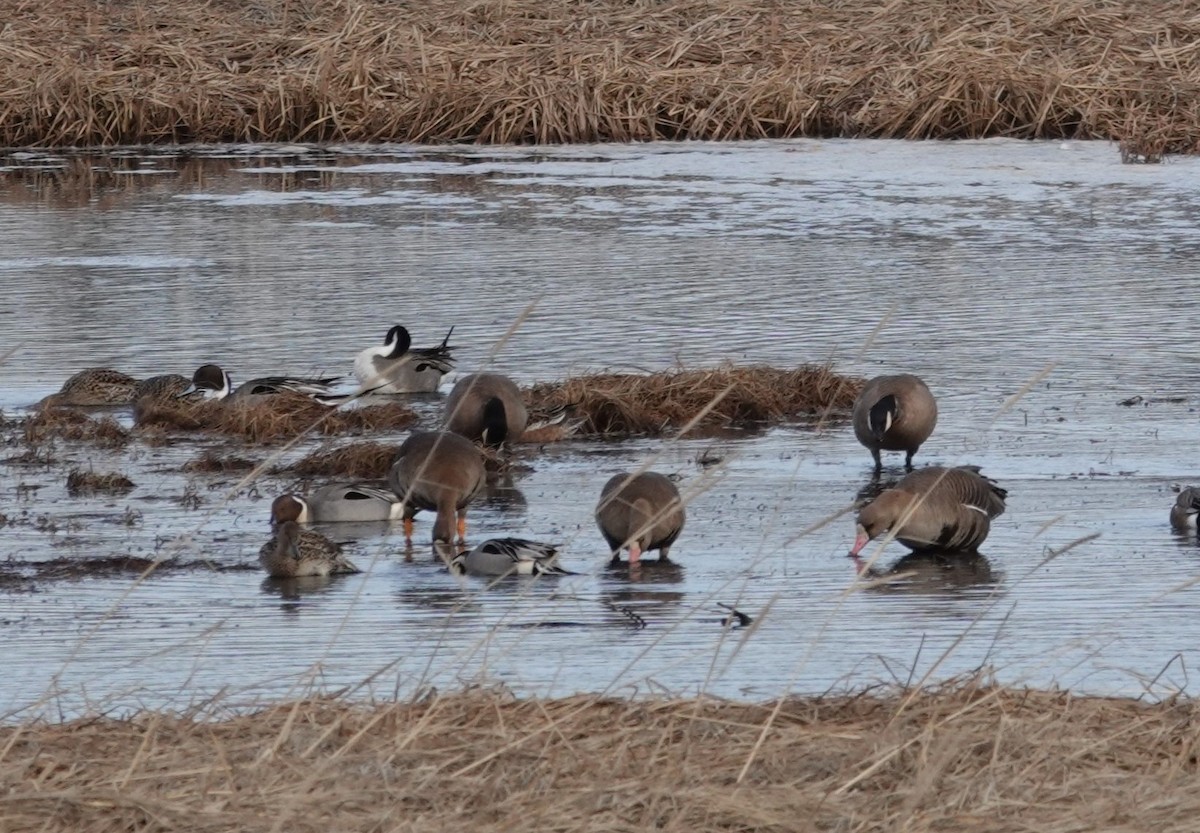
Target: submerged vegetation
700	400
78	73
968	757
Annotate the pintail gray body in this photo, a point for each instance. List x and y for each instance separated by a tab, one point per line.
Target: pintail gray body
339	503
211	382
397	367
509	556
293	552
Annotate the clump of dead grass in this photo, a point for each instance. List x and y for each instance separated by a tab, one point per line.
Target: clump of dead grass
356	461
82	481
212	462
727	396
595	70
69	424
278	417
970	757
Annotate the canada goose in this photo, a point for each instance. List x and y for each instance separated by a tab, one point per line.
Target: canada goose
894	413
437	471
640	511
486	407
935	508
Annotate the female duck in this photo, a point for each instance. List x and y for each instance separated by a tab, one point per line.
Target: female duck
294	552
94	386
395	368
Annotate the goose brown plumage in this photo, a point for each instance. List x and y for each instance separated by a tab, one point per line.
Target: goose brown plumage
641	512
894	413
935	508
486	407
438	471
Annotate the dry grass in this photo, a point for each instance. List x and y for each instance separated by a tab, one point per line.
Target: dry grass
212	462
81	481
621	403
279	417
357	461
80	73
967	758
72	425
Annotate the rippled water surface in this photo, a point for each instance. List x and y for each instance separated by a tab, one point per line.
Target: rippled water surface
1034	286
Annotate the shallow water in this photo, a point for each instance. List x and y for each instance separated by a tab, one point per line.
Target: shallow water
1034	286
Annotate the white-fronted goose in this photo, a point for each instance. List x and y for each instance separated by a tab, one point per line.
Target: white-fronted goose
1184	512
349	503
396	367
441	472
894	413
509	556
487	408
935	508
641	512
293	552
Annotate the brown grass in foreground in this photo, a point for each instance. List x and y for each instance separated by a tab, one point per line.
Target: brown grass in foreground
968	758
357	461
279	417
656	403
78	73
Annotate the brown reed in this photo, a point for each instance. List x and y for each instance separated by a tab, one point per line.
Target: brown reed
77	73
83	481
726	396
75	426
278	417
968	758
356	461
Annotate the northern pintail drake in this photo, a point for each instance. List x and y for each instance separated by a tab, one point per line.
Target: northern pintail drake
211	382
441	472
487	408
641	512
935	508
509	556
350	503
293	552
94	386
396	367
1184	512
894	413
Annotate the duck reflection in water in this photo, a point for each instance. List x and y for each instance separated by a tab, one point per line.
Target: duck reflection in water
930	572
291	591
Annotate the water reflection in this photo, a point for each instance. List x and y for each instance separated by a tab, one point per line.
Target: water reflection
291	591
931	573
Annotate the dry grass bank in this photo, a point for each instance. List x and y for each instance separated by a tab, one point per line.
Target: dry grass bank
969	758
81	72
654	403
